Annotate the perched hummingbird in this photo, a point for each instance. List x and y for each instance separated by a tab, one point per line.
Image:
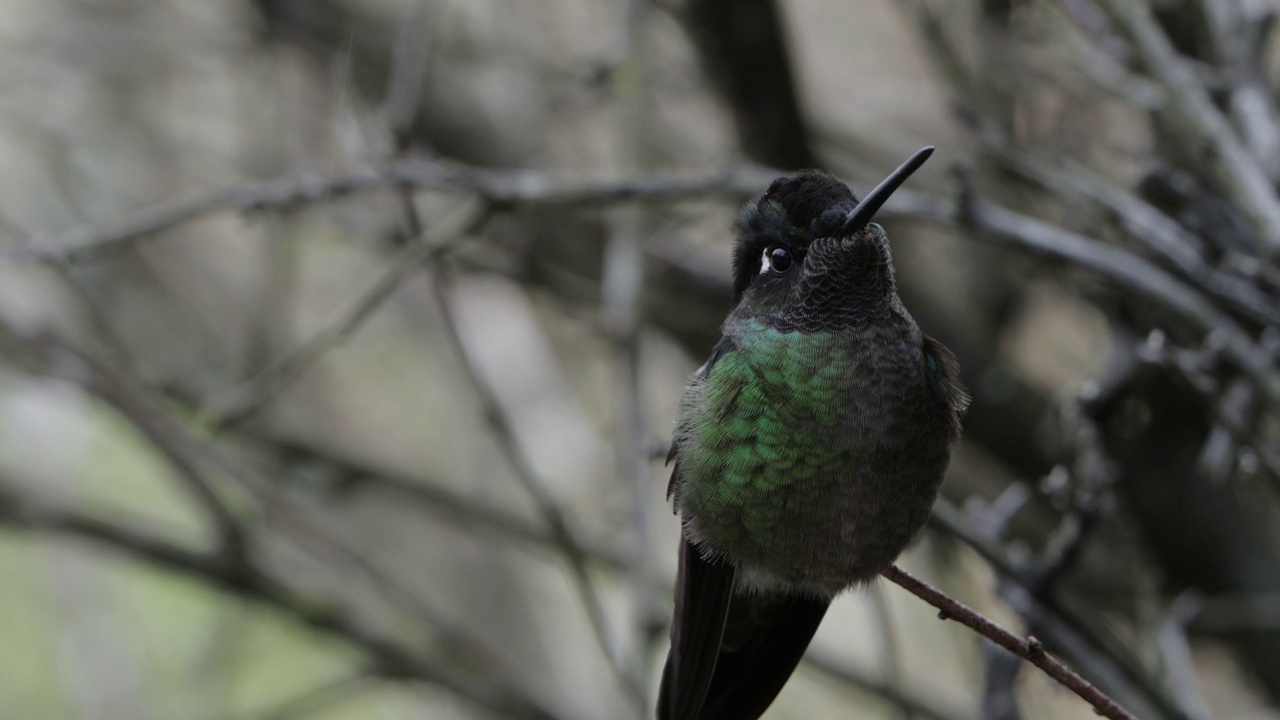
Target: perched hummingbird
809	448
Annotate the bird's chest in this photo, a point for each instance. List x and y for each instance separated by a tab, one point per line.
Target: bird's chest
795	439
816	396
795	408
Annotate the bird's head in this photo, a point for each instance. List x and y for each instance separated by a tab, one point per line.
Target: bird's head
808	254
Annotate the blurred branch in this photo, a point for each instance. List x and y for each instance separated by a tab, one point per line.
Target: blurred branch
1175	652
391	656
1108	73
1130	273
524	187
1233	406
622	294
1197	121
352	478
1068	629
242	403
46	354
744	49
317	698
500	188
548	507
1029	649
890	691
1239	32
999	699
1149	226
890	658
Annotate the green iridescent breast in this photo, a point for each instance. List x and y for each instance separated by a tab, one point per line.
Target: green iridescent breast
770	413
791	437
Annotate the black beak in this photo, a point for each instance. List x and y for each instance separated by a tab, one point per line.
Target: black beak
870	205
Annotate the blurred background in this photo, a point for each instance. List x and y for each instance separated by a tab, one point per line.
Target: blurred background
341	341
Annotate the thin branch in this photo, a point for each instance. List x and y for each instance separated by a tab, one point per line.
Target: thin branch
1175	651
516	187
1029	649
1130	273
317	698
1238	31
890	691
391	655
1106	72
501	188
47	354
1072	631
505	436
1156	231
890	658
353	478
546	504
622	291
1199	123
242	403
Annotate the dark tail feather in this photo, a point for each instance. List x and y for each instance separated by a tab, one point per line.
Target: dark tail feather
730	655
764	639
703	592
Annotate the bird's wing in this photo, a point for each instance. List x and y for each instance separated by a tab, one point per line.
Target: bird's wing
764	639
944	371
703	592
730	654
722	347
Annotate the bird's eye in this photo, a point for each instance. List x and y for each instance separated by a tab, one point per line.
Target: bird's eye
776	259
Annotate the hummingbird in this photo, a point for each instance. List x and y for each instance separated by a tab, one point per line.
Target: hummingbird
809	448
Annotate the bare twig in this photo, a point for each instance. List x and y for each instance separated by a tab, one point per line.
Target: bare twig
1195	118
1130	272
313	700
890	691
524	187
49	355
391	655
1237	31
1238	612
528	477
1029	649
622	288
502	188
890	658
242	403
1070	629
1171	638
353	478
1149	226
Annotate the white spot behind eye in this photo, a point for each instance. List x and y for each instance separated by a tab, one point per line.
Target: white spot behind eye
764	261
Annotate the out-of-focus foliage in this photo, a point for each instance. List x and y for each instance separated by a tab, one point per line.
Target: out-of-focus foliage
340	343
